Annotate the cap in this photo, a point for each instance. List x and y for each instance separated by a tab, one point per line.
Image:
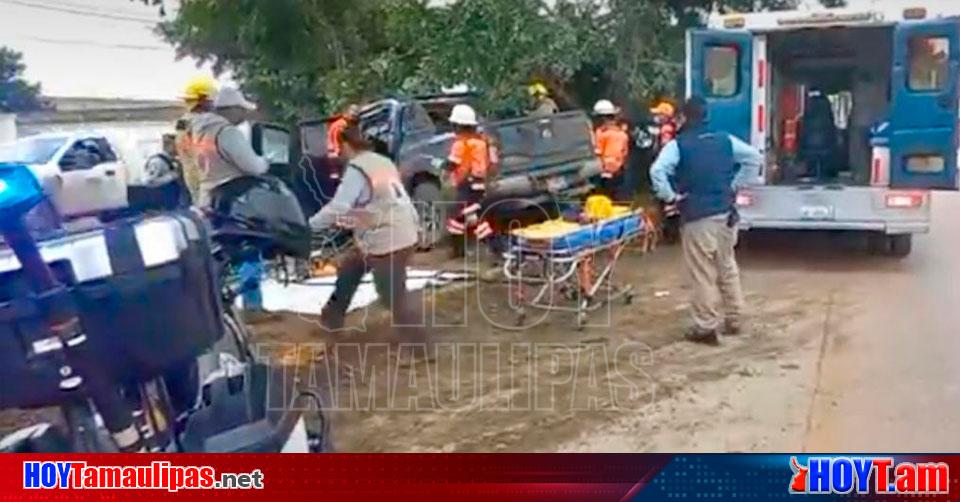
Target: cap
229	97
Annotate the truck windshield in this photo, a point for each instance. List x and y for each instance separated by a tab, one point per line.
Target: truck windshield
31	150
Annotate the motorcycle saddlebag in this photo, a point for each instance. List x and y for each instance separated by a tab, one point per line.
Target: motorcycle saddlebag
147	296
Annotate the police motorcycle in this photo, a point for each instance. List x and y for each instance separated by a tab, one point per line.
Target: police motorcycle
122	328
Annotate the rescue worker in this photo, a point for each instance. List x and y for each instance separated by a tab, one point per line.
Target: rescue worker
164	177
611	144
472	161
664	128
544	105
224	154
372	201
334	144
701	172
664	118
198	99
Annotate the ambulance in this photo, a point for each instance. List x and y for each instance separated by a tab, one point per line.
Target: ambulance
854	109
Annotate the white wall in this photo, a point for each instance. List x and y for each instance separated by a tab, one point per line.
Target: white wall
8	127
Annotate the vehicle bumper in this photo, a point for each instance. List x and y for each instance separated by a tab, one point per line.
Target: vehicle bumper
562	181
918	227
848	208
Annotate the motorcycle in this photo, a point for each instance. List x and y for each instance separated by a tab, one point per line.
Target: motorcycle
129	329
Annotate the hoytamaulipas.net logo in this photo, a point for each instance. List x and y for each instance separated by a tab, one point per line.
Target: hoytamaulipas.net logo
868	475
67	475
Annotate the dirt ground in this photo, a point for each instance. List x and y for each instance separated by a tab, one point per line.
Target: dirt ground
627	383
844	352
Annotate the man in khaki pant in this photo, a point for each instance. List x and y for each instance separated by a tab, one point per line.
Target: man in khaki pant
700	172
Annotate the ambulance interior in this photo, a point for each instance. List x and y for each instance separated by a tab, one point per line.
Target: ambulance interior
829	87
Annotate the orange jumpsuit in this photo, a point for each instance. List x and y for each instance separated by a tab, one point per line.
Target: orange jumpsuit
612	143
473	159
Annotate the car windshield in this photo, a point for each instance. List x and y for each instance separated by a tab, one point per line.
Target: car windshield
31	150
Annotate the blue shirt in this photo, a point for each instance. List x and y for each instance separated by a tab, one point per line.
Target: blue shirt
665	167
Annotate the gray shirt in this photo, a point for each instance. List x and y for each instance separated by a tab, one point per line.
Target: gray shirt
224	153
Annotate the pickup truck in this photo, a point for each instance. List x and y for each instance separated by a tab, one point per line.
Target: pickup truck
81	172
542	159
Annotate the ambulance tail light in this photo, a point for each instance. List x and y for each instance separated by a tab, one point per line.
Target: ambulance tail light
744	199
914	13
905	200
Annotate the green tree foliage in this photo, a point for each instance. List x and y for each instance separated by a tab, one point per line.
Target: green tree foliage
308	57
16	94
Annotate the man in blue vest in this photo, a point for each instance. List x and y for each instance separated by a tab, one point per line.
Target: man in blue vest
701	171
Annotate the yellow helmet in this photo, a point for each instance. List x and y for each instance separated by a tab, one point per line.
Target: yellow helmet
199	88
664	108
538	89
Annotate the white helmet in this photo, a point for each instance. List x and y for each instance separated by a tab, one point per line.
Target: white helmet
463	115
604	107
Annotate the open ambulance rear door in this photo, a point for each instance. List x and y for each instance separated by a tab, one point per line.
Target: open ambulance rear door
924	112
720	70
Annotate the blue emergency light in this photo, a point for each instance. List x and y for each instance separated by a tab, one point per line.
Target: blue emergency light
19	190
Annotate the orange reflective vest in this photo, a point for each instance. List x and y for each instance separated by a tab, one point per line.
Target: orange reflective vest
334	145
612	144
473	156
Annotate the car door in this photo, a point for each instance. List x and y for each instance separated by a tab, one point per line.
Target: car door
924	112
92	178
720	69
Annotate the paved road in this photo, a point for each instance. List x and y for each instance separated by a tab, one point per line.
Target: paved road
847	352
889	377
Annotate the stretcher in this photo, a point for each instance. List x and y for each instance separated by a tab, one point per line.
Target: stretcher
569	267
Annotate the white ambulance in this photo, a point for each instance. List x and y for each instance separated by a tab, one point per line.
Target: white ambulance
855	110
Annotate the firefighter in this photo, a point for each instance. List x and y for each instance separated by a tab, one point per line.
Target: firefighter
198	98
612	144
664	115
334	141
544	105
472	161
664	118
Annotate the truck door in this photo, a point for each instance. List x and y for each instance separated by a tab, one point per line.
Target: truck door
923	142
720	70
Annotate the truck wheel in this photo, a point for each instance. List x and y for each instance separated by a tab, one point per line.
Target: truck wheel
901	245
426	195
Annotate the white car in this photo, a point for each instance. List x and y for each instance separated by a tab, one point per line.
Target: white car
81	172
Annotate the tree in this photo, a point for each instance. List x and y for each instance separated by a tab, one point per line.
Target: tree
16	94
308	57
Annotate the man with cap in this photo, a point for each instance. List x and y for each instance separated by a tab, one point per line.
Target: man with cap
225	153
701	171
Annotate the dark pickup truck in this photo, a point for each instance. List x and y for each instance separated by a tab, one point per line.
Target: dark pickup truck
541	159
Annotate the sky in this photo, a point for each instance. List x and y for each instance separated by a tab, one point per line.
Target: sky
106	48
94	48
